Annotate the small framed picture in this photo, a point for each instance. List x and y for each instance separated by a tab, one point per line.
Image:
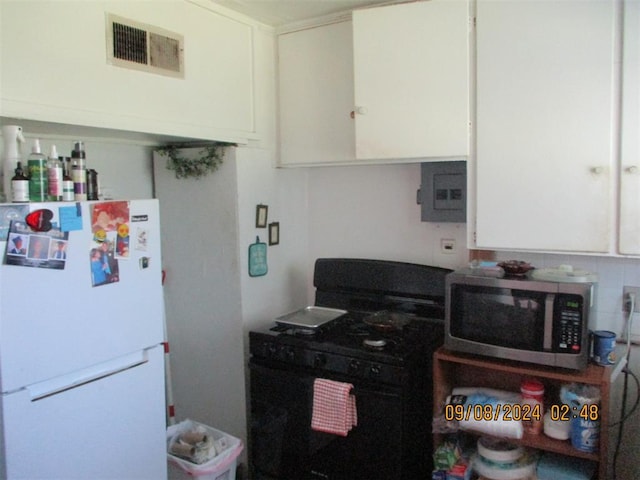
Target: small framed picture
261	216
274	233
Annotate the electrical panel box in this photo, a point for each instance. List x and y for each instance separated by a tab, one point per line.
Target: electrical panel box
443	191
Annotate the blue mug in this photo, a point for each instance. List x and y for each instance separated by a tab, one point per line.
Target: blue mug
603	344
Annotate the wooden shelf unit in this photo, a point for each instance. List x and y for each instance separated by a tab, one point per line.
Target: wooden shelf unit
453	369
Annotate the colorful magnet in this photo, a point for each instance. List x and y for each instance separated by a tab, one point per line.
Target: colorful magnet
40	220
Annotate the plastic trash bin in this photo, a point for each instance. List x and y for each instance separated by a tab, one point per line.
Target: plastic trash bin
221	467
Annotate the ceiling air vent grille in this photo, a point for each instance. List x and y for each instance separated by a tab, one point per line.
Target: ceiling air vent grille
138	46
165	52
129	43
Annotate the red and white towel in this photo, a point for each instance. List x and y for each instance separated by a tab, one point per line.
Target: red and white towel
334	407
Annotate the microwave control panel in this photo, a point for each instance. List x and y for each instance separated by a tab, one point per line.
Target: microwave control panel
568	333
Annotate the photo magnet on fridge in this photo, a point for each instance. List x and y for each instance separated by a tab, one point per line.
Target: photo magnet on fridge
27	248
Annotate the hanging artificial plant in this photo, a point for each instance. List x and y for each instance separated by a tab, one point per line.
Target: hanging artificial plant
208	159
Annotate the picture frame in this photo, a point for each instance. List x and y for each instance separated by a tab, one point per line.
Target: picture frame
261	216
274	233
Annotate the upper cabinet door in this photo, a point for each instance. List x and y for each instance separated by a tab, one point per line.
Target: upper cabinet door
411	75
630	141
315	75
545	125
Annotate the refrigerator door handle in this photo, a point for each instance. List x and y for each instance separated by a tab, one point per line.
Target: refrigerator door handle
64	383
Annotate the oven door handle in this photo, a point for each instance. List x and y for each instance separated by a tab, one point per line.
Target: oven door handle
382	392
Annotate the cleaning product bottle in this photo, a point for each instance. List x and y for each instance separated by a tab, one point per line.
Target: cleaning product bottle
54	176
67	182
11	138
19	186
38	181
79	171
92	184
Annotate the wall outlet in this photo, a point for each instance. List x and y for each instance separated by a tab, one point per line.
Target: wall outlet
447	245
626	304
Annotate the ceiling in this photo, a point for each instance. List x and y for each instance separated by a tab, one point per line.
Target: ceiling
281	12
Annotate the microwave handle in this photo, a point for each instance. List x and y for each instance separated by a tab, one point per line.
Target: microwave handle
548	321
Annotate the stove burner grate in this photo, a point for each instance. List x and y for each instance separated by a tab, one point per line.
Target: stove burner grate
374	343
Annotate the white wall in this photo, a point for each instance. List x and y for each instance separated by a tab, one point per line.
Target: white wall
202	294
371	212
285	193
213	101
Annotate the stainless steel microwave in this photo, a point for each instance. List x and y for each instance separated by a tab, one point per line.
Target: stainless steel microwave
536	321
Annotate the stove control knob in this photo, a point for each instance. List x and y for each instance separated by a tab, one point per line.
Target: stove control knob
354	367
375	370
290	354
272	349
320	360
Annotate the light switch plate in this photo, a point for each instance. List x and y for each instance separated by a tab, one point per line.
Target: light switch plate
447	245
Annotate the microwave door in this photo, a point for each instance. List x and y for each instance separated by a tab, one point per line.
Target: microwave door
548	322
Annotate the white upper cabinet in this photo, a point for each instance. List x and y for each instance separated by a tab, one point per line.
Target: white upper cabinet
411	74
316	96
390	86
630	141
55	69
546	166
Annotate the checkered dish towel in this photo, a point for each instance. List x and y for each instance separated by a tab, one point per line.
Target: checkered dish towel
334	407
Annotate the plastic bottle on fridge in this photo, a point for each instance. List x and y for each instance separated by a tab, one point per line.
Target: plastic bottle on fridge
79	171
12	138
92	184
68	194
37	167
19	186
54	175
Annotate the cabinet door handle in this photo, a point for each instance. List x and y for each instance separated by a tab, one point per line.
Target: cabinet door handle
361	110
632	169
597	170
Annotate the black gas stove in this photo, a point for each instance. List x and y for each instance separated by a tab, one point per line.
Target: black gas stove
382	345
349	346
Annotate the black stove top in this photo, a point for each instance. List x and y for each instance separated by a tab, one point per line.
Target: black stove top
350	335
351	345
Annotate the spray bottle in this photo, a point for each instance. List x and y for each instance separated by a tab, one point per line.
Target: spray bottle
12	138
54	174
38	179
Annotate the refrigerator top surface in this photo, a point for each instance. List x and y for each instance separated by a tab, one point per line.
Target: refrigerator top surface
54	321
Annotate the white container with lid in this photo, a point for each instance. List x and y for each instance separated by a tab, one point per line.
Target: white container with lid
564	273
558	429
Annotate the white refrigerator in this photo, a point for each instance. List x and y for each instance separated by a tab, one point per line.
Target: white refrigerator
81	348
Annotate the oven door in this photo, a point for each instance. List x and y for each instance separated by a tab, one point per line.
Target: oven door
283	445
